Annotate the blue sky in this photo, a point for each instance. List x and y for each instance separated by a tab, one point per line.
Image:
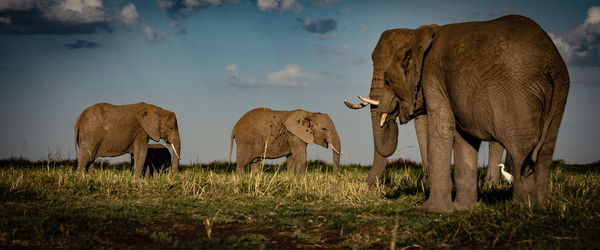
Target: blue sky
210	61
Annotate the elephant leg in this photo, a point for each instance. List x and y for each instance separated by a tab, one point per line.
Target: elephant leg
298	155
301	160
254	166
544	162
86	157
83	161
376	173
492	176
465	171
441	128
290	163
421	129
523	178
241	161
140	159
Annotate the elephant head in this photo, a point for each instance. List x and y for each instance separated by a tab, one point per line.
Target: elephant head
385	131
315	128
403	74
161	124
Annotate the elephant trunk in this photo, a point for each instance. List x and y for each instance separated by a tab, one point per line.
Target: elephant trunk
176	147
385	136
336	146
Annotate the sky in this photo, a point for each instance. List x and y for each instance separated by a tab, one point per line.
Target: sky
211	61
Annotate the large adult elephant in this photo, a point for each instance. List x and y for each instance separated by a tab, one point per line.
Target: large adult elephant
385	132
266	133
112	130
501	80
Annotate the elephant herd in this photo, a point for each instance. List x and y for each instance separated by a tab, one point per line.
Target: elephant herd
501	81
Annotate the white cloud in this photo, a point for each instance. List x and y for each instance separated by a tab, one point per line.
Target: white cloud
151	34
581	46
77	11
291	75
232	70
278	5
363	28
129	15
593	15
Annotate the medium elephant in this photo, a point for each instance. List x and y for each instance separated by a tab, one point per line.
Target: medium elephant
385	133
158	158
501	80
112	130
265	133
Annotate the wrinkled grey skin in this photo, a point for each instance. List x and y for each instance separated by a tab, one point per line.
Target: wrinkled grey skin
501	80
282	133
385	138
158	158
112	130
492	176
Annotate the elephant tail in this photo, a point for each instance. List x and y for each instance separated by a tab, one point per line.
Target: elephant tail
553	108
231	146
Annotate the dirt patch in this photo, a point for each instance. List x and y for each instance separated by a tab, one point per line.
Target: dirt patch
179	232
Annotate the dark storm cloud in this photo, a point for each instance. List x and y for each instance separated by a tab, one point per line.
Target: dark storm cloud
82	44
34	22
177	9
319	27
181	8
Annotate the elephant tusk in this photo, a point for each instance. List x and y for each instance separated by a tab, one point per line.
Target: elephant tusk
335	150
383	119
369	101
175	151
355	106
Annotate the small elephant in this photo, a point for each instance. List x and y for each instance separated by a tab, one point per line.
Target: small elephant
112	130
158	158
265	133
501	80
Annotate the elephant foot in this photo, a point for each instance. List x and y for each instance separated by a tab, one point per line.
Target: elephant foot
436	206
463	205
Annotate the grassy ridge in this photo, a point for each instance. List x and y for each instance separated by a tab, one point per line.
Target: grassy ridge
48	204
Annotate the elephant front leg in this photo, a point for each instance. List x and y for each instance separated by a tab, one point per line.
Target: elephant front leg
441	129
465	171
421	129
296	161
140	152
255	166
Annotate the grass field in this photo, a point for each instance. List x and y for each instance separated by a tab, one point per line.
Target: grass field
49	205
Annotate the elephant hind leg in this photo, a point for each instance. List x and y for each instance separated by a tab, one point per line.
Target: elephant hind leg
85	157
465	171
523	177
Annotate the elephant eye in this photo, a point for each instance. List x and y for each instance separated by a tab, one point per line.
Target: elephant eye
324	128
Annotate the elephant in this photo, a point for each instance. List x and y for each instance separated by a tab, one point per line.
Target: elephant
385	135
105	129
264	133
158	158
500	80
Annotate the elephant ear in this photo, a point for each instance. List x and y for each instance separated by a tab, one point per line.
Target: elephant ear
298	124
415	56
150	121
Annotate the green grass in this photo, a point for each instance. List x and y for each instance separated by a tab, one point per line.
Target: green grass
49	205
